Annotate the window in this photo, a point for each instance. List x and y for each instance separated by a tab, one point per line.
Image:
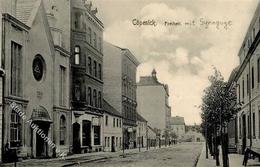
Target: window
99	72
247	83
96	135
258	70
240	123
95	68
95	97
120	142
259	124
15	130
62	85
89	35
105	141
62	129
243	89
89	66
238	90
77	20
95	40
114	122
253	78
116	141
248	127
106	121
89	96
99	100
100	44
117	123
120	123
16	69
254	124
77	91
108	142
77	54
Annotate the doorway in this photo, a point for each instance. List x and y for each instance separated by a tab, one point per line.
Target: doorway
41	145
113	144
243	133
86	133
76	138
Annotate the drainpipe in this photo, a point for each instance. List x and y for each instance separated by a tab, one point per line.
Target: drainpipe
3	78
250	112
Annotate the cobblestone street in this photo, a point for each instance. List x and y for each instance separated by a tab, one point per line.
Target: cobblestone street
181	155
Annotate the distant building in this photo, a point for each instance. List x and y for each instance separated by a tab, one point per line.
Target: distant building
193	136
153	101
120	87
112	137
141	131
151	137
178	126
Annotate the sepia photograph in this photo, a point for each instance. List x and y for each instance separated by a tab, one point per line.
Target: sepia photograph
129	83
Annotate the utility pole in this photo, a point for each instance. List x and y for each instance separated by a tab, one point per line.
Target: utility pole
139	139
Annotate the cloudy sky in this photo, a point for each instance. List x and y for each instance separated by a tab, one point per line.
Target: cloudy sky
183	55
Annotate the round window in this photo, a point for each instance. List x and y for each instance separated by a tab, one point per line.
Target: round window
38	67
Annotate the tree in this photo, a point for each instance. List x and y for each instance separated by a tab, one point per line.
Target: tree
217	110
174	136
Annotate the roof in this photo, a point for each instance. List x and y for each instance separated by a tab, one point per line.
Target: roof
109	109
148	80
177	120
232	76
140	118
26	10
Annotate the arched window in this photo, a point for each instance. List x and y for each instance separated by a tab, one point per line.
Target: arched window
15	130
89	36
89	66
62	129
89	96
77	54
95	97
99	100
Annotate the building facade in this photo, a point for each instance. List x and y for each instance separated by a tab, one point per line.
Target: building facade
153	101
36	110
112	137
247	81
87	77
120	87
142	131
177	125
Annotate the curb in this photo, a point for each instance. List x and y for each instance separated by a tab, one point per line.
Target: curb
84	161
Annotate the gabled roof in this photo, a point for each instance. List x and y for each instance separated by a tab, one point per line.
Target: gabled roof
25	8
140	118
110	109
148	80
177	120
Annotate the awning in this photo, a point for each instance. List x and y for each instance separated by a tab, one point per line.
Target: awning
41	114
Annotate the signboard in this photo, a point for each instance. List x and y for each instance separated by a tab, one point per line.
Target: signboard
95	121
130	129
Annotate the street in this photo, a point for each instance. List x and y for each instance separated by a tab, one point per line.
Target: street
181	155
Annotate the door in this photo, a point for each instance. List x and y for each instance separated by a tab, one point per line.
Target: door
76	138
41	145
86	133
113	144
243	133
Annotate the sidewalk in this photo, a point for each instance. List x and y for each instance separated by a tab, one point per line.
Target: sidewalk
235	160
78	158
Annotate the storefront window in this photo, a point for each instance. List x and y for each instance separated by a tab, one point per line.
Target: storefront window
96	135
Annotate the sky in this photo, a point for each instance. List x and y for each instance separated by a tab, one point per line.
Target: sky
182	54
